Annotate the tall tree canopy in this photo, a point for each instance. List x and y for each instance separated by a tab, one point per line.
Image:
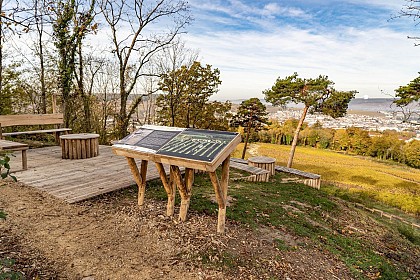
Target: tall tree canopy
317	96
252	115
408	100
71	22
185	99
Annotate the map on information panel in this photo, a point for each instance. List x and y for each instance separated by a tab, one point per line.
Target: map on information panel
196	144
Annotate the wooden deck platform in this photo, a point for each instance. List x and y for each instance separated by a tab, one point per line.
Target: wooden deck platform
76	180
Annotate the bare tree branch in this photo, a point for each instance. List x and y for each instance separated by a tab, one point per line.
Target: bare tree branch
135	50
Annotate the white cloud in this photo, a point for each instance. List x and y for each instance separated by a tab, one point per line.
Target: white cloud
391	4
272	10
365	60
242	10
210	6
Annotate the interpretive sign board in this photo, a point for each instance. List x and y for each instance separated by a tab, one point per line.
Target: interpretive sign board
192	149
187	143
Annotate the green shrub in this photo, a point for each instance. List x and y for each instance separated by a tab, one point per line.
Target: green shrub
5	167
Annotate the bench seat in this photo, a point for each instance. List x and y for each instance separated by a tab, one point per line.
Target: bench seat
297	172
257	174
311	179
239	160
6	145
248	168
54	130
33	119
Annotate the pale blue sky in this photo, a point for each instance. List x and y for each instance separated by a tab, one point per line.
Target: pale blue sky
354	43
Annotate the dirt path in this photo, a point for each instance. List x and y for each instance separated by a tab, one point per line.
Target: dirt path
253	149
110	238
92	239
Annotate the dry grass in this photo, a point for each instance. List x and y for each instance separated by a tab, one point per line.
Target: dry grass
394	184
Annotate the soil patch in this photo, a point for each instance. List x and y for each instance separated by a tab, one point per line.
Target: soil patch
111	238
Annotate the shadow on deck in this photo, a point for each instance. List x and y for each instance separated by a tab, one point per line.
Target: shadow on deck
76	180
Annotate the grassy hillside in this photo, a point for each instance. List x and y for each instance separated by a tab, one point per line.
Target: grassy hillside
394	184
301	219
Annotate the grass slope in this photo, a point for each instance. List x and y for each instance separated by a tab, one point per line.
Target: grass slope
369	246
394	184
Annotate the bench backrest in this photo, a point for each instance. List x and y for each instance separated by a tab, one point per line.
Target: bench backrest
31	119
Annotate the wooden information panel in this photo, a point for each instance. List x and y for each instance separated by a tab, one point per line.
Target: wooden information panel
180	147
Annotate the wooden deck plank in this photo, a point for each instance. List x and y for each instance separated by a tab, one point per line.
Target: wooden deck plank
84	196
89	190
82	186
61	175
76	180
97	189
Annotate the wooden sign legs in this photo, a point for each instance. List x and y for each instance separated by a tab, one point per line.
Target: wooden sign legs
184	187
139	177
220	189
170	188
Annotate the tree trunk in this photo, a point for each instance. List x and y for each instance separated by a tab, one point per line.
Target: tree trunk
187	121
66	67
65	84
1	48
85	97
122	118
40	30
66	110
43	88
122	124
296	136
172	113
247	137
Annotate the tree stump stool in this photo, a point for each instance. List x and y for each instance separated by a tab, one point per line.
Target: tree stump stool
266	163
79	146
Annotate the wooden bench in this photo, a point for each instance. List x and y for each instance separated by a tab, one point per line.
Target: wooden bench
238	160
257	174
15	146
32	120
312	180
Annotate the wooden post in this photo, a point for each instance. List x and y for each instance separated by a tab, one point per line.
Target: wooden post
89	150
73	149
143	172
220	190
169	188
172	184
24	160
189	179
57	137
221	219
139	177
184	191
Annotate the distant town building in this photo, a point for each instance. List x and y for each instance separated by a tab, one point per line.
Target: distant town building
381	122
